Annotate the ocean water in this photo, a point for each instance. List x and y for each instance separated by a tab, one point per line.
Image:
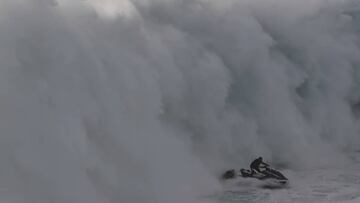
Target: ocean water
336	184
149	101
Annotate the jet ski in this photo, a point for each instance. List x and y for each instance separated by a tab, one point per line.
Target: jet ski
266	174
269	175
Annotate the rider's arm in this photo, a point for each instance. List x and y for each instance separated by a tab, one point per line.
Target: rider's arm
263	165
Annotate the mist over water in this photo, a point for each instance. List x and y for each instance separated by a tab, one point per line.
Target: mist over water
147	101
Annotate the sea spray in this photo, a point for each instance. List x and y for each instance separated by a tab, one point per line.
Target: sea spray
146	101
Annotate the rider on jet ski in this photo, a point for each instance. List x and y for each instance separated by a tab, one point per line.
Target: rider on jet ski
256	164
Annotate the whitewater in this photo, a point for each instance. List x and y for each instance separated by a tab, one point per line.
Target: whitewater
149	101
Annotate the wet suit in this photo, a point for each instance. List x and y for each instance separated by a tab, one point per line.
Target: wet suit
255	165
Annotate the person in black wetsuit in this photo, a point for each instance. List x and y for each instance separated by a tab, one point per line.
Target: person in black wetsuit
255	165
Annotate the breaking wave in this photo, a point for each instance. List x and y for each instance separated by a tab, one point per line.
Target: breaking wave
147	100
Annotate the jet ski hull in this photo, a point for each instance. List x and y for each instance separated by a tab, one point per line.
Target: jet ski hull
271	177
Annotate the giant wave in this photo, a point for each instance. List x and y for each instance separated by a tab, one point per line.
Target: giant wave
147	100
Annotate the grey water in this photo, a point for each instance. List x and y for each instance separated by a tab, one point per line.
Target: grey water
341	185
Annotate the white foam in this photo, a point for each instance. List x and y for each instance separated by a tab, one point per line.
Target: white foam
145	101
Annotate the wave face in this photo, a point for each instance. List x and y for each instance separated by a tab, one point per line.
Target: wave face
147	100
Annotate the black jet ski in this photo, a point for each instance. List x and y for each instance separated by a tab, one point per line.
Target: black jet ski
267	174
